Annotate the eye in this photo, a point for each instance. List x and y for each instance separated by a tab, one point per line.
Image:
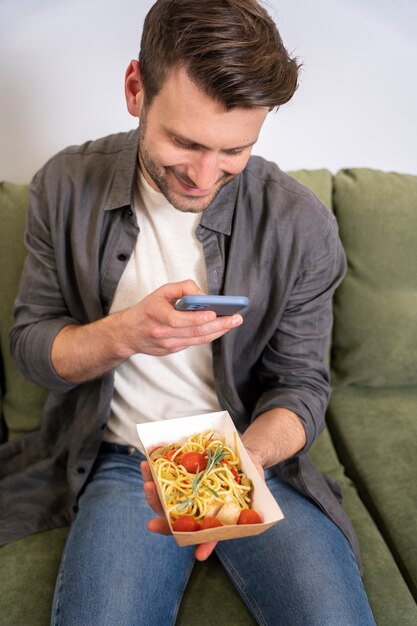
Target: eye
183	144
234	152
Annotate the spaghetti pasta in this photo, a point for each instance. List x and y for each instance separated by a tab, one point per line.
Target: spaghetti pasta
218	484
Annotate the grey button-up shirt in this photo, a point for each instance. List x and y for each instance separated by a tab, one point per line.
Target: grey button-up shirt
265	236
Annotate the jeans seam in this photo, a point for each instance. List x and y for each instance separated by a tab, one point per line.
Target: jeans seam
60	586
242	587
176	608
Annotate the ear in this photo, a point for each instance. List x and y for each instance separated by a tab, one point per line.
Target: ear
134	89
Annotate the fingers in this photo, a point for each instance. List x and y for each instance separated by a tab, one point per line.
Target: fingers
152	498
151	492
188	319
211	325
170	331
176	344
146	471
169	293
153	326
196	324
158	525
203	550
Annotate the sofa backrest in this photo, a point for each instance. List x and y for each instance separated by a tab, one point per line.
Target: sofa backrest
375	308
21	401
319	181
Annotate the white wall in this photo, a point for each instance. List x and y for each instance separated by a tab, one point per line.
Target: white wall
62	65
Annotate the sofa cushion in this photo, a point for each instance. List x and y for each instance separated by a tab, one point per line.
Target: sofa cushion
22	401
28	571
375	328
210	598
375	434
390	599
3	433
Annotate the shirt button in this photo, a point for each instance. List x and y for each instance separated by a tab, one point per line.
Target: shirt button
129	212
122	256
81	470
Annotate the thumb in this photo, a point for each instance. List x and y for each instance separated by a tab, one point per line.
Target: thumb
174	291
189	287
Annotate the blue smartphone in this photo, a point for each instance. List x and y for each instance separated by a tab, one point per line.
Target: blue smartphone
222	305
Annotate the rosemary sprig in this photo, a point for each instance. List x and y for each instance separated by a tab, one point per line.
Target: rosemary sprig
181	506
212	459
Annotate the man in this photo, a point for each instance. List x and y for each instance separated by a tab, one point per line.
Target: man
118	230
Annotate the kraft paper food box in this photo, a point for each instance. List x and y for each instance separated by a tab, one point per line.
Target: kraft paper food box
165	432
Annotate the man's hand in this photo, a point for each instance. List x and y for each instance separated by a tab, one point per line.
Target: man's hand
152	326
160	524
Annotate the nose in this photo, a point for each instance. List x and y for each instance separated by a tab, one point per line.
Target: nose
204	170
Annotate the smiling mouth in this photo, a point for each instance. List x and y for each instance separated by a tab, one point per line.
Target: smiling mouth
191	190
189	187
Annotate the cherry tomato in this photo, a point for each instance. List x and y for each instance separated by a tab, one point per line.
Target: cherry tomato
170	454
155	449
156	453
249	516
234	471
193	462
185	524
210	522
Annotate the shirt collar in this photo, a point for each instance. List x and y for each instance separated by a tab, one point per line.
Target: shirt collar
218	216
122	189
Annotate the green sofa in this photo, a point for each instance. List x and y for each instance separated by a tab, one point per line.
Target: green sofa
370	446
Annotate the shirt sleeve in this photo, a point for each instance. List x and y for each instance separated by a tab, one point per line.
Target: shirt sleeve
294	372
40	309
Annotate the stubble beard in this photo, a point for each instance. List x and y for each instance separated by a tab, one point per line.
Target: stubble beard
184	203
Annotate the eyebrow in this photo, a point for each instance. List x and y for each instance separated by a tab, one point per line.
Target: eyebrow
195	144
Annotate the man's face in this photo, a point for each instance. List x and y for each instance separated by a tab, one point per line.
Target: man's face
190	147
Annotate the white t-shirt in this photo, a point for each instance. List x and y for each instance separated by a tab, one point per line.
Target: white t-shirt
151	388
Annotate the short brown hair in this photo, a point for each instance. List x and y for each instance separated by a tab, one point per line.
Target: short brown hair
231	49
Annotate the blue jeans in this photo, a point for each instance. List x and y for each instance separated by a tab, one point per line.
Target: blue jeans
114	572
